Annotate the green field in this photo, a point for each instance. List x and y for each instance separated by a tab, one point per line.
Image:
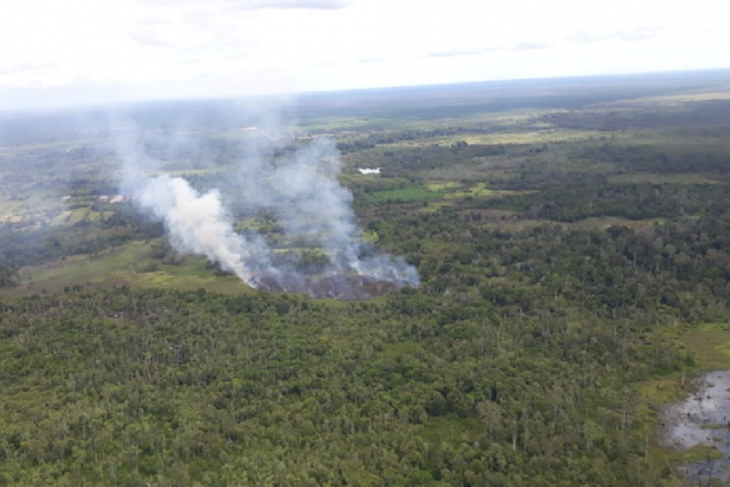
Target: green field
414	193
130	265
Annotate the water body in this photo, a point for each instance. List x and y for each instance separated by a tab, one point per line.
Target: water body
702	419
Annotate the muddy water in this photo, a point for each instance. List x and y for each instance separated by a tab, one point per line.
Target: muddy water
703	419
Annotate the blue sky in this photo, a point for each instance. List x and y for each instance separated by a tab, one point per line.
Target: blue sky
55	53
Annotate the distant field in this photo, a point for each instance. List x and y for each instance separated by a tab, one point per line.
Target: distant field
437	193
674	99
528	136
414	193
687	178
453	190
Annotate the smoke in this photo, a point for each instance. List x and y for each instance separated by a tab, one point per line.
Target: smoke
293	183
199	224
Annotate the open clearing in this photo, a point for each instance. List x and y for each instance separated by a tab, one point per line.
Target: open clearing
130	264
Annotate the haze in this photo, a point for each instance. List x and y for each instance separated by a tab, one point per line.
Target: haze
88	52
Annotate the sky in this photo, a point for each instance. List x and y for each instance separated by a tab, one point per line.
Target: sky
57	53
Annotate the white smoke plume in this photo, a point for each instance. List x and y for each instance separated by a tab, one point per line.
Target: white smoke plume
299	187
199	224
304	192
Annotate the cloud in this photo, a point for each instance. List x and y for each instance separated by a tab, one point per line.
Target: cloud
638	33
630	34
462	52
294	4
324	65
15	68
160	48
14	73
371	60
584	37
241	5
530	46
475	51
149	37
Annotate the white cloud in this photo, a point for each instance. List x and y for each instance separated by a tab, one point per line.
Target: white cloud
164	48
635	33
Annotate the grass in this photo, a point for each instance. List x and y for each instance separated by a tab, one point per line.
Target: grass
99	269
372	182
478	190
468	173
164	280
38	205
124	265
441	191
663	390
413	193
710	343
528	136
442	185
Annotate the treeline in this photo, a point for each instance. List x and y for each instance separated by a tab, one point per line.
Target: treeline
387	137
690	115
647	158
574	202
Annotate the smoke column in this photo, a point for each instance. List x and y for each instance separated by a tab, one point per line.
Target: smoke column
199	224
301	189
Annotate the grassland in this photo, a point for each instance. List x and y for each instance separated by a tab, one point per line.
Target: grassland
413	193
710	344
130	264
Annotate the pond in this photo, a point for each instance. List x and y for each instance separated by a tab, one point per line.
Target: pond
702	419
